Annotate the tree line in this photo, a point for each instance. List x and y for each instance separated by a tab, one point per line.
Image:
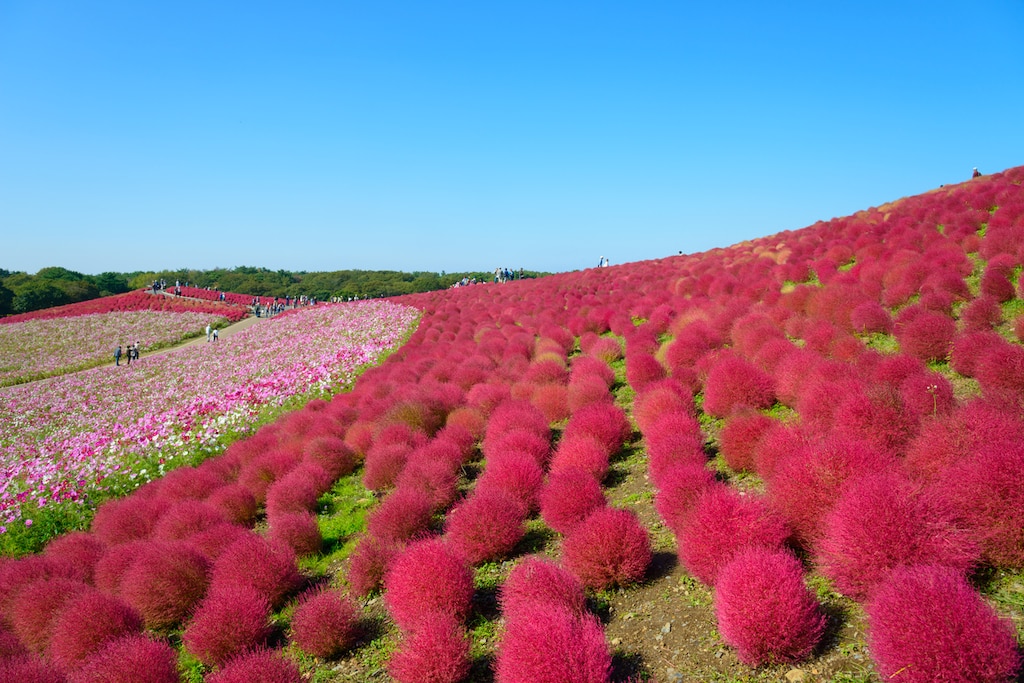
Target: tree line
55	286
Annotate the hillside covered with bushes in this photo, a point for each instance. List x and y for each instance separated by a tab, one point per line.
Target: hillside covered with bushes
799	456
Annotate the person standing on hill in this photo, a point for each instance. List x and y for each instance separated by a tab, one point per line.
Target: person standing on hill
976	173
117	355
207	331
216	335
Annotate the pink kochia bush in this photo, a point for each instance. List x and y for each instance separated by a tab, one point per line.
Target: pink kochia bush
86	623
884	521
427	577
927	625
34	608
722	524
486	525
553	645
165	582
258	666
368	563
230	620
325	624
436	652
132	659
297	530
733	382
608	548
568	497
764	609
679	488
537	583
606	422
264	565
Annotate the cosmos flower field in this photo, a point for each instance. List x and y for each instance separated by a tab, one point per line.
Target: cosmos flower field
802	453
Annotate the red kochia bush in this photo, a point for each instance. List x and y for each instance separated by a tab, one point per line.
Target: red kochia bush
553	401
927	335
739	436
297	530
870	317
518	475
673	438
586	389
764	609
926	625
609	548
606	422
127	519
486	525
325	624
230	620
806	485
427	577
554	645
187	518
132	659
74	555
35	607
332	454
258	666
384	463
536	584
1001	374
732	382
568	497
298	490
437	652
722	524
679	488
165	581
86	623
883	521
403	514
985	487
982	314
643	369
237	503
28	669
660	398
582	452
254	561
368	563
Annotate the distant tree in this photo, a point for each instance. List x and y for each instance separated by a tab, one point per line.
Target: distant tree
6	300
37	294
111	283
58	273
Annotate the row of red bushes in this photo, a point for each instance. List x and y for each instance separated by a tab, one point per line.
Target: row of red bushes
139	300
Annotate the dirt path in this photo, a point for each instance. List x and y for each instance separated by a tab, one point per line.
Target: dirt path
223	332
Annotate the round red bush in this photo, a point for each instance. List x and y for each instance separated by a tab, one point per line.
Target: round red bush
926	624
332	454
764	609
609	548
403	514
606	422
581	452
642	370
537	583
739	436
74	555
368	563
236	503
884	521
127	519
927	335
555	645
230	620
325	624
679	487
262	564
132	659
437	652
486	526
516	474
187	518
384	463
568	497
35	608
258	666
297	530
985	488
672	439
732	382
722	524
806	485
28	669
586	389
165	582
428	576
298	490
870	317
86	623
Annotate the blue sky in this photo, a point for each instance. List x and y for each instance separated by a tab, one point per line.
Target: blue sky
467	135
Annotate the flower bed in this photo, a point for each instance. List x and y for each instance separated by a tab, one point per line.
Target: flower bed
65	436
45	347
140	300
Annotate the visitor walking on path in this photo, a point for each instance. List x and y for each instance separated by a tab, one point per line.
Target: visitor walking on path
216	335
117	356
207	331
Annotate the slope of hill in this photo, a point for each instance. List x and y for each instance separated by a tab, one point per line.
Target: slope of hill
796	457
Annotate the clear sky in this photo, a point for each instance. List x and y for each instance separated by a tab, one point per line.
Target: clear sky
436	135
